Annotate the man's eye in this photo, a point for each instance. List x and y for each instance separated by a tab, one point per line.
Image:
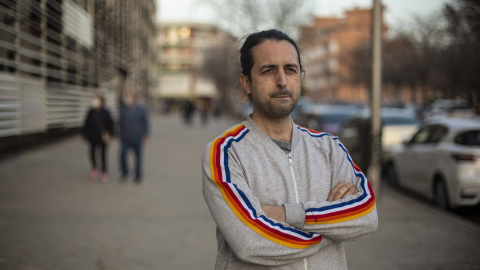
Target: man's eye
292	70
266	71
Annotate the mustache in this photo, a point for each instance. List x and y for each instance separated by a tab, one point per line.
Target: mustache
282	92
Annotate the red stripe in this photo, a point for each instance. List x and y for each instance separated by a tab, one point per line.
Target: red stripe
240	207
364	205
315	220
232	196
340	215
311	130
219	142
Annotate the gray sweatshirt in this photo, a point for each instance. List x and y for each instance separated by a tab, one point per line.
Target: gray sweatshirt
244	169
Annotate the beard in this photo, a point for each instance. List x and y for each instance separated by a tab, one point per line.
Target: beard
276	109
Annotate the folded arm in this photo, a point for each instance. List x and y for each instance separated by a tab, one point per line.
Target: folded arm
251	235
340	218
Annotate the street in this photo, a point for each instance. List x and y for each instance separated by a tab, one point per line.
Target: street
52	216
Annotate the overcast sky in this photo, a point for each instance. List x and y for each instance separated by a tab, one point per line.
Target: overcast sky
397	14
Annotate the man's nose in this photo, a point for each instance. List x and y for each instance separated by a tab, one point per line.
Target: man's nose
281	80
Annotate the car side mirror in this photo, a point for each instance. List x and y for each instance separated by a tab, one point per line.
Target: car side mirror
405	142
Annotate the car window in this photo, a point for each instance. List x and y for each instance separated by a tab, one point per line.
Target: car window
437	133
470	138
399	121
421	136
335	118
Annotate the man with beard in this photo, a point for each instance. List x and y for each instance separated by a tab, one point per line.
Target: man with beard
282	196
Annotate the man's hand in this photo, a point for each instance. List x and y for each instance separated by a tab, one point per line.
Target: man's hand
341	190
275	212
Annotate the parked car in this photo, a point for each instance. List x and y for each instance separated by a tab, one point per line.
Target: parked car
325	117
457	108
442	162
302	105
397	125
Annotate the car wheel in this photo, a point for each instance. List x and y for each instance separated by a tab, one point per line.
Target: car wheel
391	175
440	194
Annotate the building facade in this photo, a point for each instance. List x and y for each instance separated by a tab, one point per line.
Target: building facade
56	54
183	48
327	45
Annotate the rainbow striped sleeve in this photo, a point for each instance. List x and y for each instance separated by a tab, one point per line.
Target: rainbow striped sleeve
346	210
238	200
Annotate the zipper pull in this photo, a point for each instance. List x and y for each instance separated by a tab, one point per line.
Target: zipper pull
290	161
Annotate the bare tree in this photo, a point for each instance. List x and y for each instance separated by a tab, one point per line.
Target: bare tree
435	54
219	66
462	57
240	17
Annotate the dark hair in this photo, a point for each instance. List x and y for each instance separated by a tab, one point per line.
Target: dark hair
246	55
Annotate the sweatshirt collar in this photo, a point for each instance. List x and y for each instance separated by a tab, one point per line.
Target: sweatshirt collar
253	127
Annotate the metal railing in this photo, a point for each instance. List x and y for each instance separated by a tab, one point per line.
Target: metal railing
27	106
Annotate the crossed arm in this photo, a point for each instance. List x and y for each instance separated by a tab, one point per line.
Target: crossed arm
339	191
278	235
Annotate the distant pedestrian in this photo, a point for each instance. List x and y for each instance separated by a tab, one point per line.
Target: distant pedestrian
98	131
204	113
188	110
134	132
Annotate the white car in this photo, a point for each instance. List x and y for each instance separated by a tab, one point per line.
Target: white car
441	162
457	108
397	125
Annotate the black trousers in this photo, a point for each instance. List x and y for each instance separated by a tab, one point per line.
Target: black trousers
93	153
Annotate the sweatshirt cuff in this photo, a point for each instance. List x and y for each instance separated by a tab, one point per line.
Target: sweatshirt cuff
294	214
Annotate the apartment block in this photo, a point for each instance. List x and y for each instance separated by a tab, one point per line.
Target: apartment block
183	48
56	54
327	44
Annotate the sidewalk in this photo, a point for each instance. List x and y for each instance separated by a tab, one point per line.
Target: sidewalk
53	217
413	234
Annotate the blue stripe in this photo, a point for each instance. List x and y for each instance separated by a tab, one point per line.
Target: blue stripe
225	150
279	225
362	177
244	197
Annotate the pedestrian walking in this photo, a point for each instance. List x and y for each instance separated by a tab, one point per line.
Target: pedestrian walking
204	113
97	131
134	132
188	110
282	196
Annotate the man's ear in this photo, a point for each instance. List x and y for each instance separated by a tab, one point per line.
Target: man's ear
245	84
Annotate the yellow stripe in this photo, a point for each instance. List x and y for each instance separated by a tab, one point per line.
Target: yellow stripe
236	211
212	167
343	219
253	227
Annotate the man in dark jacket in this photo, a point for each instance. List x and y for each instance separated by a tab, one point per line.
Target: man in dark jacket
97	130
134	131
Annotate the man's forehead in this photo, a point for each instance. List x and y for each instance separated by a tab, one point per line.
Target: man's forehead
275	52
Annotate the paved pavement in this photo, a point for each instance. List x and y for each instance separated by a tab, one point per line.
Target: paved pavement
53	217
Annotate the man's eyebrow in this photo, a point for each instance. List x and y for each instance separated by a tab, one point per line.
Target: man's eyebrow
267	66
291	65
273	66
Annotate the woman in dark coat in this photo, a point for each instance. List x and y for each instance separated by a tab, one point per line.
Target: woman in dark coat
98	130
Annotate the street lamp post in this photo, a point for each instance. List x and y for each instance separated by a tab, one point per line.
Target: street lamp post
374	169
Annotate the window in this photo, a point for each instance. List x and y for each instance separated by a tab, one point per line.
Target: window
470	138
421	136
399	121
429	134
438	132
